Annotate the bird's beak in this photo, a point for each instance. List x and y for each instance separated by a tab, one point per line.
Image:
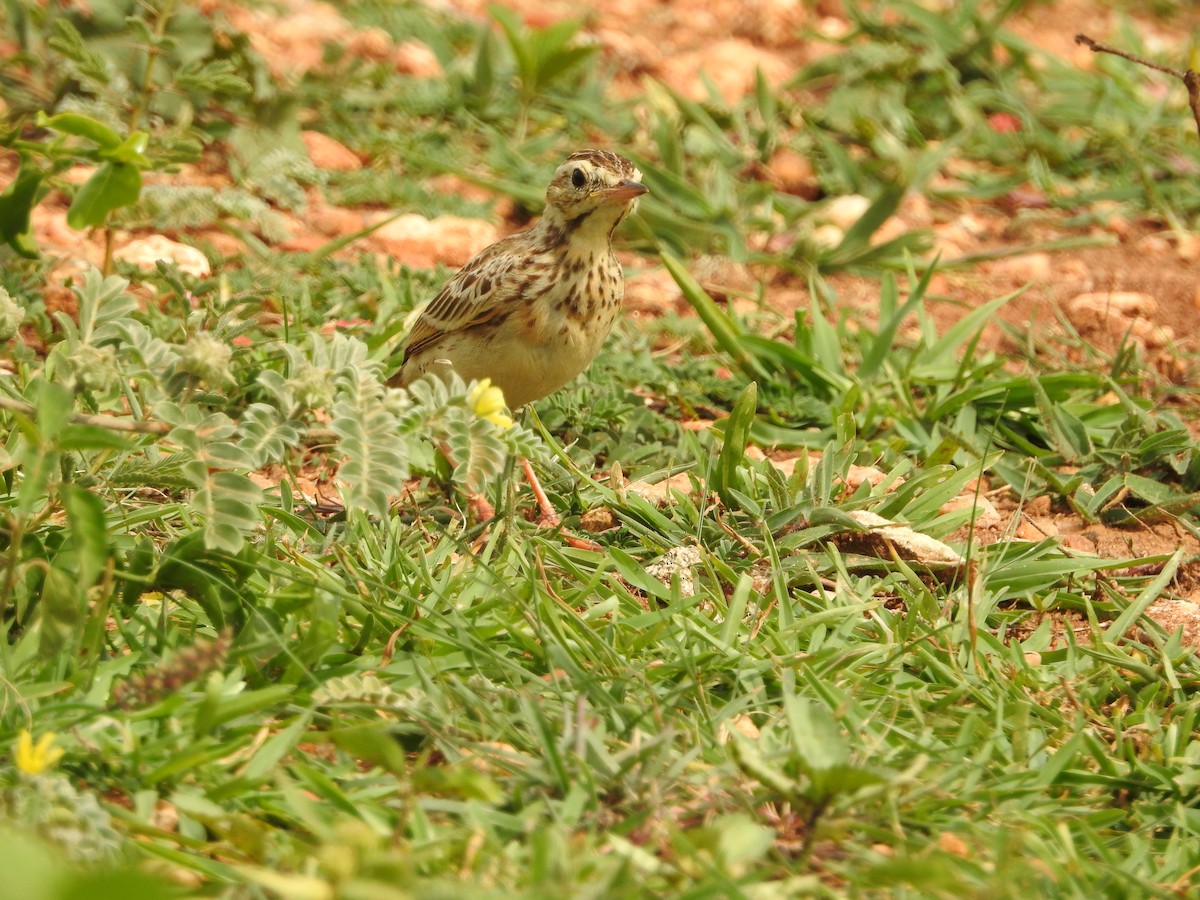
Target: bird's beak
625	190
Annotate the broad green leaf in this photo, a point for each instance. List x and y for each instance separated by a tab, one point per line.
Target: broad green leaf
485	65
1091	502
764	96
294	886
834	517
271	753
801	367
635	573
117	884
736	610
821	334
93	437
461	780
131	150
750	759
60	612
112	185
33	868
816	735
54	404
1030	576
39	459
843	779
741	841
17	201
81	126
89	532
321	787
196	756
1154	492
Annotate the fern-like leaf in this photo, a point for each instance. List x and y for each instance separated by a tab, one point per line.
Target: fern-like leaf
214	76
165	473
281	175
144	355
67	41
264	436
376	458
228	501
478	449
102	301
225	498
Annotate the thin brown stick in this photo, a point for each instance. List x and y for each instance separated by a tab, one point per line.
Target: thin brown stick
1190	79
140	426
110	423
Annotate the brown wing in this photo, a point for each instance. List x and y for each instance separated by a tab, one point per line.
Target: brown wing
481	290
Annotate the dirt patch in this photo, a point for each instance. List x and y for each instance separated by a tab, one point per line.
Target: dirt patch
1174	614
1044	315
1179	609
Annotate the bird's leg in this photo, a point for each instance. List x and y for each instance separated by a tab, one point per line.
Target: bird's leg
481	508
548	516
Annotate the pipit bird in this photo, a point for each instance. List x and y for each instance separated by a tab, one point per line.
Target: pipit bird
531	311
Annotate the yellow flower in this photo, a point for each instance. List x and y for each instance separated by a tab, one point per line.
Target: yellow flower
34	759
487	401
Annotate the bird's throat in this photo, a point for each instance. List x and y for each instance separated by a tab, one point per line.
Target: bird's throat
584	233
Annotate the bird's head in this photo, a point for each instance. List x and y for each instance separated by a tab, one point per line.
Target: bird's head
591	181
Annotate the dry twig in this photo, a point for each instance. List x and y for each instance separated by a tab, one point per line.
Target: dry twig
111	423
1190	79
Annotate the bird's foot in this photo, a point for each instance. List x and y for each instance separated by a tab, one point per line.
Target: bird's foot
548	516
481	510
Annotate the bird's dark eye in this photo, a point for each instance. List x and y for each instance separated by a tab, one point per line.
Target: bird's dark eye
578	178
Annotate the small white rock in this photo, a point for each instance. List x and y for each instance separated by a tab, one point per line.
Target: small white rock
676	561
845	211
146	252
1101	304
827	236
986	514
1026	267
